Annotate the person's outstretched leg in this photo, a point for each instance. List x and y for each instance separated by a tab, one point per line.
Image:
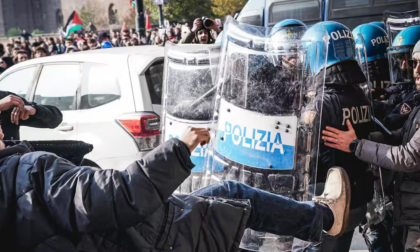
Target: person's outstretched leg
283	216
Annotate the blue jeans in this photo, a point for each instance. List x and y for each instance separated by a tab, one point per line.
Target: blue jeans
276	214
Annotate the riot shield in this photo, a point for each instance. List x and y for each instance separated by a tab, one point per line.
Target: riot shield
398	21
188	98
267	116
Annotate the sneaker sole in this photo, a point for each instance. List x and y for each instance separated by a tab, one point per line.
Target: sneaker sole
346	182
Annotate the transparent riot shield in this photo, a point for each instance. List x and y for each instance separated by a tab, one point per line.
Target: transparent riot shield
398	21
188	99
267	116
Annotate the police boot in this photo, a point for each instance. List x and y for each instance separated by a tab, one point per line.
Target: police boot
336	196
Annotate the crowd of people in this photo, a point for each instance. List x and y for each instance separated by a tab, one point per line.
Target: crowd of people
25	48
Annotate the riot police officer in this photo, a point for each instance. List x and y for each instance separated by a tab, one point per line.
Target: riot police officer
403	90
374	38
401	153
375	41
344	99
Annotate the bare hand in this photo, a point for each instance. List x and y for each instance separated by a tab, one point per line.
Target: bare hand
197	24
11	101
22	114
195	136
14	116
338	139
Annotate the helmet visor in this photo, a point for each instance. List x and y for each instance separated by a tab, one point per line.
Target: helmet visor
401	64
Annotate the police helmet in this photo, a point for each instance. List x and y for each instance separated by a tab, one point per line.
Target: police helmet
287	23
380	24
374	39
285	39
400	55
340	46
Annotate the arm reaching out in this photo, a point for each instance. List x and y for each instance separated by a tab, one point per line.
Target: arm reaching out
80	198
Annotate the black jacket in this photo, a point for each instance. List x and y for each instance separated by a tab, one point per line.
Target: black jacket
342	96
45	117
48	204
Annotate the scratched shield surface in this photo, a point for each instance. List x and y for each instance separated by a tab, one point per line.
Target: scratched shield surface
266	124
188	99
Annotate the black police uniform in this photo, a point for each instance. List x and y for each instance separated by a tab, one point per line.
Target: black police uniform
401	112
344	99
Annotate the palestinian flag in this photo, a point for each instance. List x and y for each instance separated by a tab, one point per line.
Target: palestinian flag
74	23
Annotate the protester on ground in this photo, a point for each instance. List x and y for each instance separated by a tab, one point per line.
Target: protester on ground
74	207
399	152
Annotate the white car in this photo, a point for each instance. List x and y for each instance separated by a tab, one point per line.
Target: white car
110	98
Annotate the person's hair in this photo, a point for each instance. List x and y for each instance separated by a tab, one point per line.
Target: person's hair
70	40
8	60
2	51
41	49
23	52
92	40
52	40
9	45
17	42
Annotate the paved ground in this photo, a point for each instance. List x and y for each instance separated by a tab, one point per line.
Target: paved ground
358	244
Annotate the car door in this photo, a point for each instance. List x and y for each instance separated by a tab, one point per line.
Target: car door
57	86
100	106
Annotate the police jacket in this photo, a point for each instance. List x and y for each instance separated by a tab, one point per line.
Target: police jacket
48	204
45	117
345	100
399	114
401	153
